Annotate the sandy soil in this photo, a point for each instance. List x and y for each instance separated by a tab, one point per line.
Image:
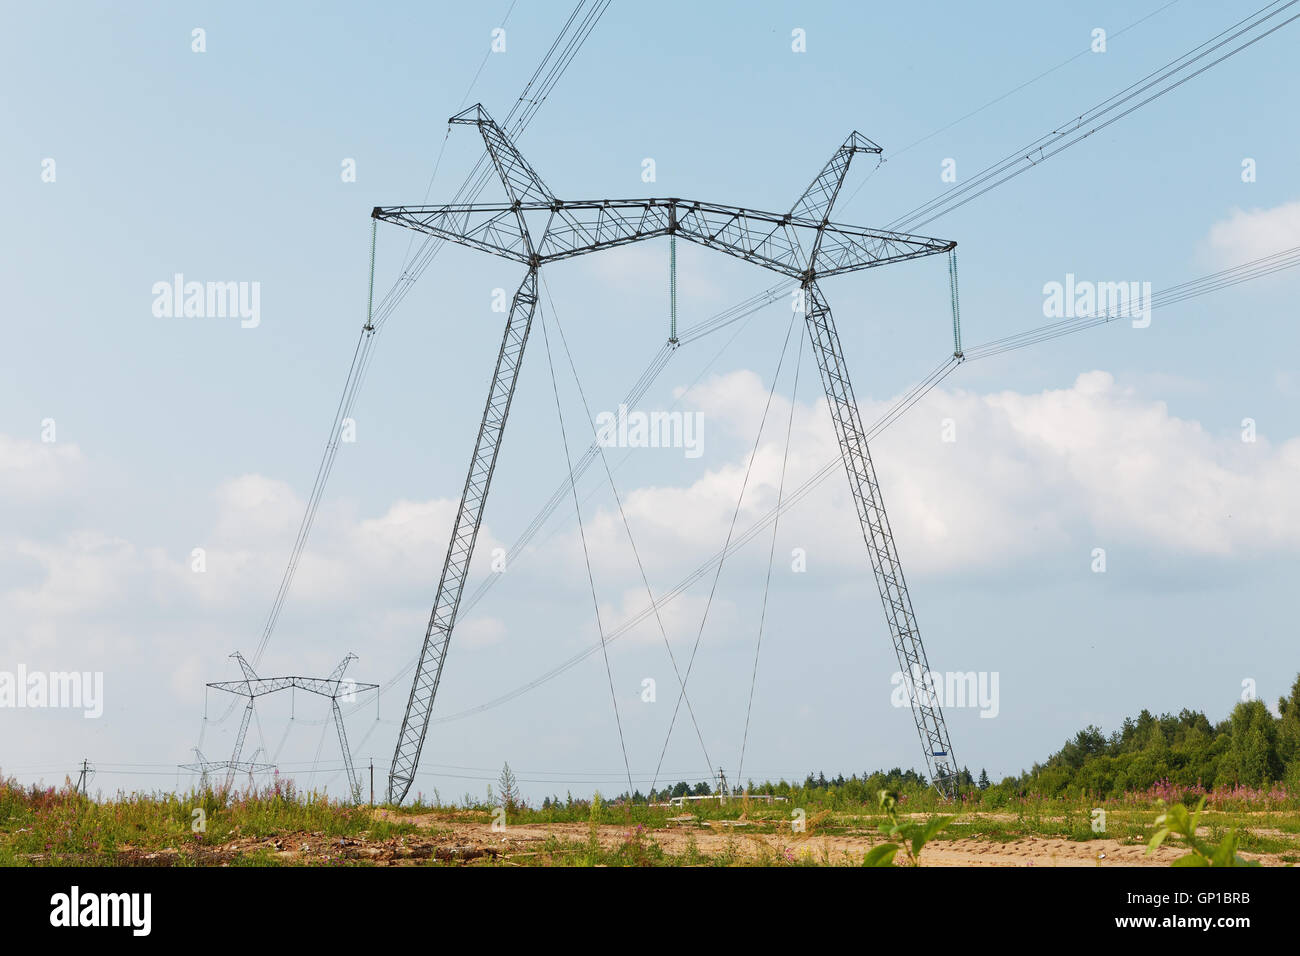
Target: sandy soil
844	849
454	837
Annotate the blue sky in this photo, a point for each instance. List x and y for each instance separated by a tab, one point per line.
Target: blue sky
174	434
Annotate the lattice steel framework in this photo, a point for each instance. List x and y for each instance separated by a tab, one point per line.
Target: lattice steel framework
204	767
253	687
534	227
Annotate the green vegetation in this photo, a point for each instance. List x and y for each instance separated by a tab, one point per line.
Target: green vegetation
914	835
1237	781
1178	820
1184	757
61	827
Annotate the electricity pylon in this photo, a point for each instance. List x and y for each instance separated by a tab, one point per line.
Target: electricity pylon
203	767
534	227
254	687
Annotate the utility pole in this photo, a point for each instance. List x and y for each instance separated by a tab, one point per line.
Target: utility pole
372	781
81	781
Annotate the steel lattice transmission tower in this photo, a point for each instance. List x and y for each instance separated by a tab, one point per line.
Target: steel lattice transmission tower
534	227
253	687
204	767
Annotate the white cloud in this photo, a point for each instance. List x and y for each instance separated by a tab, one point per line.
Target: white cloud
38	470
1030	477
1244	236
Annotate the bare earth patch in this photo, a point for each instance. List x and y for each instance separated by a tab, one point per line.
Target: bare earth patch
524	840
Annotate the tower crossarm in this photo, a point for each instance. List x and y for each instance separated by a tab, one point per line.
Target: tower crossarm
850	248
207	766
488	227
325	686
563	229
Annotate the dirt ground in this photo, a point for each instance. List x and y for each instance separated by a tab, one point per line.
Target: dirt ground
456	838
521	841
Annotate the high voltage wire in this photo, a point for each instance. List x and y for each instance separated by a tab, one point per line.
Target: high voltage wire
744	484
586	555
627	526
1016	89
1098	117
1255	269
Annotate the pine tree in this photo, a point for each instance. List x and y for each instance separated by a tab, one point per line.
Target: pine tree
509	789
984	779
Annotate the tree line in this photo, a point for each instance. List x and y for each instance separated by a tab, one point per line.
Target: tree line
1252	747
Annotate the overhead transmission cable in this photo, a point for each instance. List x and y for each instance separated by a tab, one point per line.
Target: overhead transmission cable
627	526
586	554
1087	51
1154	85
740	498
771	560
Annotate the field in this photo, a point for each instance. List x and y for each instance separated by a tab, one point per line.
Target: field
48	827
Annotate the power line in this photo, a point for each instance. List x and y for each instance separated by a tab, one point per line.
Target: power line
699	634
627	527
586	555
1098	117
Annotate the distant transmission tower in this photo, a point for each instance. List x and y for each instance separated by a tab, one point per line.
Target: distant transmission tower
254	687
535	227
205	768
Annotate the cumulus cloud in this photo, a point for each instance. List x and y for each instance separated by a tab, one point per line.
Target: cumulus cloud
1026	475
31	470
1030	476
1247	235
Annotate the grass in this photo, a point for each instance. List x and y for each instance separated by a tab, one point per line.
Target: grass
282	826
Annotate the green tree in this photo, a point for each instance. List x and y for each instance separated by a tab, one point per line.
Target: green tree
509	787
1252	757
1288	728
